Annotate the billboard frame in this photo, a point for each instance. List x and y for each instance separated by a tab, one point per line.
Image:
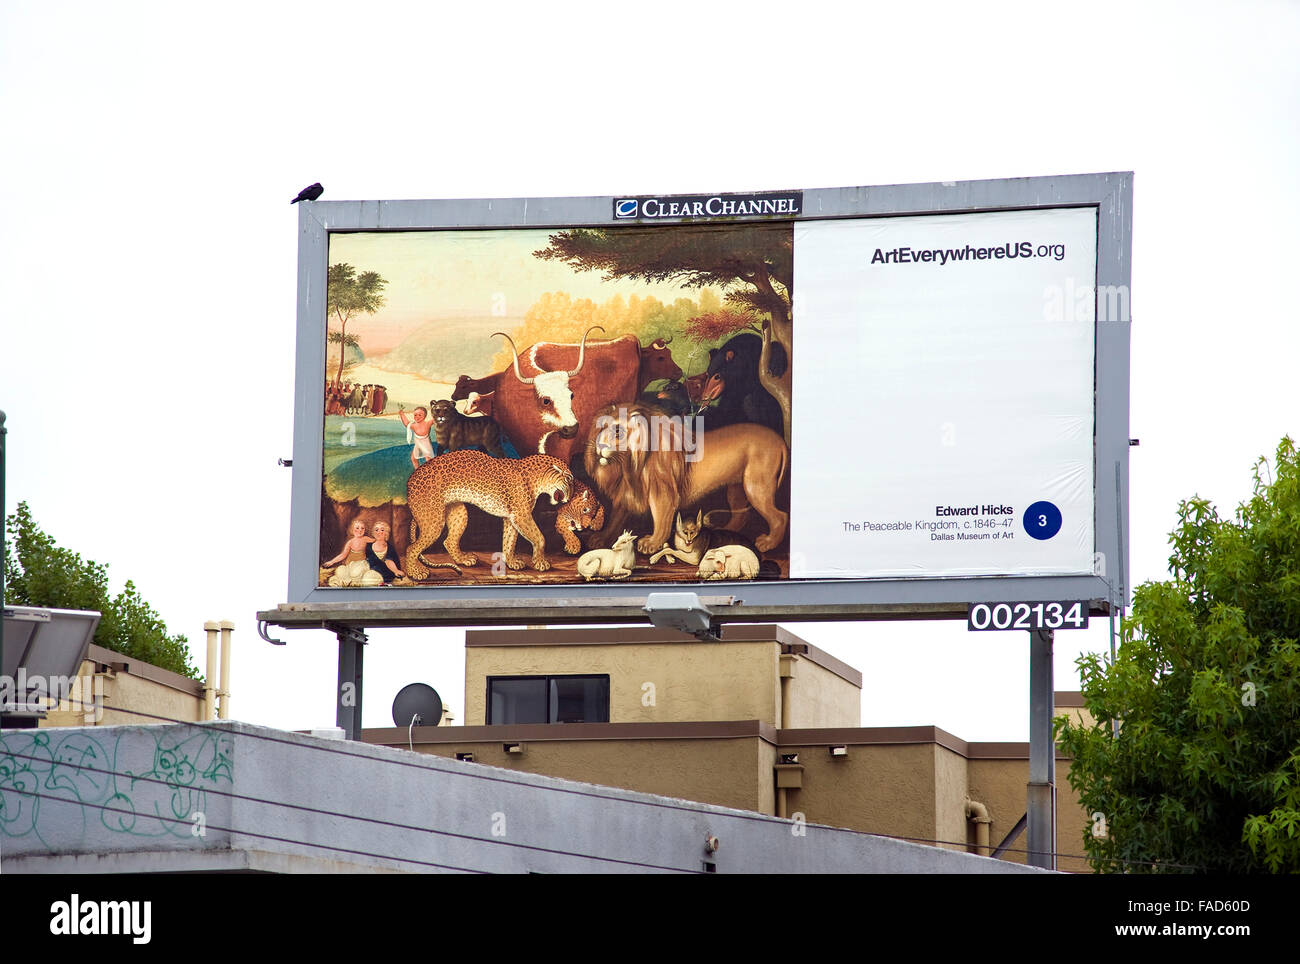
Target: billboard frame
804	599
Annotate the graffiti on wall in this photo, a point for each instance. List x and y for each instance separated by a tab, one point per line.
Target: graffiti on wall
57	786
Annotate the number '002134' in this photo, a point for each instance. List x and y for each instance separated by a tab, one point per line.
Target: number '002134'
1027	616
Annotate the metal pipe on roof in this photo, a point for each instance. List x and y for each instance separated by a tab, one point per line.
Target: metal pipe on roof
210	679
226	627
979	813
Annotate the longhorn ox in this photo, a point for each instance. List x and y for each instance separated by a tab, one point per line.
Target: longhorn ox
602	372
552	392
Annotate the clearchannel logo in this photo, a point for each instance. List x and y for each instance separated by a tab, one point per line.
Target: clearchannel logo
780	204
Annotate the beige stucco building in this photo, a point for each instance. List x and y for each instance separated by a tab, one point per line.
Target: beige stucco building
761	721
145	694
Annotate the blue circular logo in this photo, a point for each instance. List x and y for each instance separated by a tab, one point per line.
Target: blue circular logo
1042	520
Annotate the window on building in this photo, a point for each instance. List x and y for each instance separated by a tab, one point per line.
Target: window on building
547	699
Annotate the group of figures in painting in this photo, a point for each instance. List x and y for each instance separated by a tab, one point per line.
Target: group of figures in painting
687	481
348	398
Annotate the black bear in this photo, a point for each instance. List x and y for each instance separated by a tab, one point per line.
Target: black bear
732	388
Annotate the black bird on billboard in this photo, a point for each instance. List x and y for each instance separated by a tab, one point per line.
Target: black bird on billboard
309	193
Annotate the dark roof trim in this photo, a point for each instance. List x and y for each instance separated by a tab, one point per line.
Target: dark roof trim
137	667
872	736
574	732
1007	751
709	730
625	635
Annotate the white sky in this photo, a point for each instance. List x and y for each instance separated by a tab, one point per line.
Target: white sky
148	250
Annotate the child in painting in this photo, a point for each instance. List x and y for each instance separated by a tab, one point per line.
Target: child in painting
380	557
418	428
353	562
354	550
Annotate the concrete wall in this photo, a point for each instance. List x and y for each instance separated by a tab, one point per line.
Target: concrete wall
107	790
907	782
116	799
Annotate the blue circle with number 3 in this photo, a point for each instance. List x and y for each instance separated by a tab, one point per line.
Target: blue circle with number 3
1042	520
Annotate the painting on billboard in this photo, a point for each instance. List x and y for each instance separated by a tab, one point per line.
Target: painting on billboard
557	406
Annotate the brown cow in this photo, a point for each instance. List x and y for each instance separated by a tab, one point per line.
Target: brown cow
484	386
657	362
611	371
476	404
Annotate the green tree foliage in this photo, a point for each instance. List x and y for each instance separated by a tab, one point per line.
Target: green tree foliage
349	293
39	572
1205	771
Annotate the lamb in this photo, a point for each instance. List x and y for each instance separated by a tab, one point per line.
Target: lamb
729	562
613	563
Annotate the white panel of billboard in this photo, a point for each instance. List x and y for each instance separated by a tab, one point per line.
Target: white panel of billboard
954	431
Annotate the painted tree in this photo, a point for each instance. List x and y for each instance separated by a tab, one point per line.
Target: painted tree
1205	771
752	261
348	294
715	326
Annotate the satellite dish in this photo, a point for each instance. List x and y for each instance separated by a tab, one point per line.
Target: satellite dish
419	702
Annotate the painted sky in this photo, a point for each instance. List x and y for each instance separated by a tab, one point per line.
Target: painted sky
447	274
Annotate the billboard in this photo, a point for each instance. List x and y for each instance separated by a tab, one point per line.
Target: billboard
825	401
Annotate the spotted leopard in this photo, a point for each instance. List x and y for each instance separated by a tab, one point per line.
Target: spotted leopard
438	491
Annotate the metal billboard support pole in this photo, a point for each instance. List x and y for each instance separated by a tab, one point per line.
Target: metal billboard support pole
351	655
1041	803
1123	590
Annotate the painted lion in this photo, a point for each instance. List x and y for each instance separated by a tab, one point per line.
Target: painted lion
637	455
